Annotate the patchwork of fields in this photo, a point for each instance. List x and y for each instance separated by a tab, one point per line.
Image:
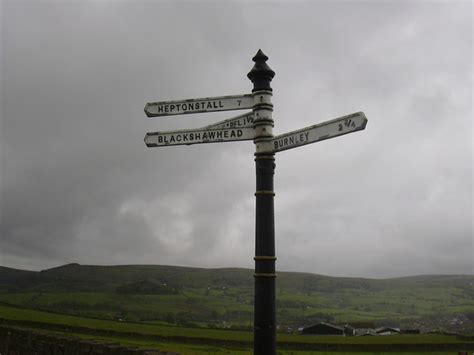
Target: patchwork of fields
219	341
210	311
224	297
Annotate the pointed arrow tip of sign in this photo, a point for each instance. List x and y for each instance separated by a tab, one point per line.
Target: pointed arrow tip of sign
147	113
147	142
364	124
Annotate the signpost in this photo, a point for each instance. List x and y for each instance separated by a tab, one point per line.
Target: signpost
197	136
206	104
318	132
245	120
256	125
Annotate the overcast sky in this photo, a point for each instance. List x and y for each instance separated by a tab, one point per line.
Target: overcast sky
78	184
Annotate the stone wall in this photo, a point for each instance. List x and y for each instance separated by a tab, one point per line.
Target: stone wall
24	342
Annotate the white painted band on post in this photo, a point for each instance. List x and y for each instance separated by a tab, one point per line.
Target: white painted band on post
262	97
263	121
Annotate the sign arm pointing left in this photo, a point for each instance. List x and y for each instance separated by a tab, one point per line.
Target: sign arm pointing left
205	104
198	136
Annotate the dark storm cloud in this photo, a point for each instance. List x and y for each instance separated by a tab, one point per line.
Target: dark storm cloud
78	183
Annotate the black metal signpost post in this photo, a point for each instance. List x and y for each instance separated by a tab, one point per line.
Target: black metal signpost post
256	126
264	307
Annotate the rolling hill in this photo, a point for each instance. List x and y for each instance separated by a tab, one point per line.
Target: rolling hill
224	297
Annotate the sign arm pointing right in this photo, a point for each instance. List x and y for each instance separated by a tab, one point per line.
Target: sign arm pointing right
321	131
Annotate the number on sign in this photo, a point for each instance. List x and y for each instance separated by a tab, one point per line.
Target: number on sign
349	123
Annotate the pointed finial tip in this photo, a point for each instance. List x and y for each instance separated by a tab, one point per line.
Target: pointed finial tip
260	56
261	74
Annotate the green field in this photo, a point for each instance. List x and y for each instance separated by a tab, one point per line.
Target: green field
196	340
210	311
224	297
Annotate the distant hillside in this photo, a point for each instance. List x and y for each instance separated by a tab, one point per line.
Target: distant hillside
8	275
75	277
225	296
89	277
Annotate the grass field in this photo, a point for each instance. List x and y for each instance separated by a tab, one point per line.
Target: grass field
195	349
142	305
199	341
217	306
355	305
224	297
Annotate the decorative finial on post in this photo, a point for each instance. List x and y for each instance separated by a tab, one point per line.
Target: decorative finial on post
261	74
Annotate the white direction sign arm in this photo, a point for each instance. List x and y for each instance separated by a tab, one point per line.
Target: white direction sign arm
325	130
198	136
245	120
206	104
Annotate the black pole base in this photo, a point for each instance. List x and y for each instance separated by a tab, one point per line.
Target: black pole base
265	305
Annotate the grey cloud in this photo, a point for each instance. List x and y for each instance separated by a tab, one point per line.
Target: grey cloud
78	184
